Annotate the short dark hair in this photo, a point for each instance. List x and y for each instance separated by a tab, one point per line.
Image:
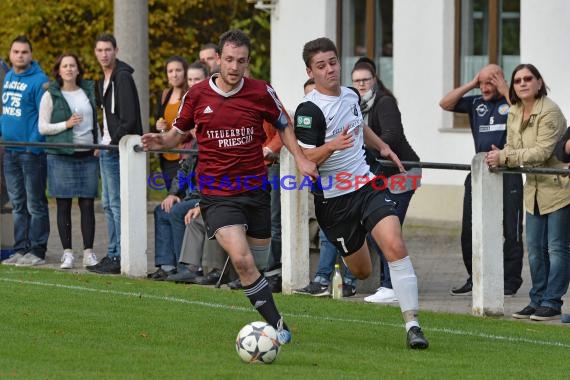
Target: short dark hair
320	45
309	82
210	45
107	37
200	66
23	40
368	61
234	37
55	69
542	91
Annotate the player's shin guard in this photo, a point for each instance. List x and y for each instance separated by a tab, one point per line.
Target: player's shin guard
261	298
405	285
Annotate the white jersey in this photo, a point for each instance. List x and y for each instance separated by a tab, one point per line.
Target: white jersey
318	120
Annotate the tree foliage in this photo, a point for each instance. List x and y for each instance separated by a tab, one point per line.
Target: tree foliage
175	27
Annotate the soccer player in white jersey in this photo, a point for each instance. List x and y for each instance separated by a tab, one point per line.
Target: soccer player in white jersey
349	201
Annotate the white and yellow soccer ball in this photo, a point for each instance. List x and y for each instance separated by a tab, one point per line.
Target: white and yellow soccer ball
257	342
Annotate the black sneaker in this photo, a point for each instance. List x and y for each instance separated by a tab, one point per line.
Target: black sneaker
160	274
104	261
235	284
545	313
416	339
275	283
348	290
465	290
184	276
524	313
315	289
274	279
210	279
111	266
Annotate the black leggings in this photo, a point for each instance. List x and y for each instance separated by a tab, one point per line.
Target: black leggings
86	206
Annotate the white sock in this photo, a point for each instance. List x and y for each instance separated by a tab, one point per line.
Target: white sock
411	324
167	268
68	251
405	284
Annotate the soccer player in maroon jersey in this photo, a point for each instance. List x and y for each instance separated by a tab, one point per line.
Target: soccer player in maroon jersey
227	113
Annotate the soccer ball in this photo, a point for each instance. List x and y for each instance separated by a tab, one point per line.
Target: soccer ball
257	342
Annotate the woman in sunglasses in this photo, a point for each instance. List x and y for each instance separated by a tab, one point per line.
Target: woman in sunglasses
534	125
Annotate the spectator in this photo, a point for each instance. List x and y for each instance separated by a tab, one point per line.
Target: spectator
170	100
209	55
196	73
121	116
169	224
239	217
488	120
3	192
331	131
200	252
535	125
68	114
169	216
380	111
319	287
25	168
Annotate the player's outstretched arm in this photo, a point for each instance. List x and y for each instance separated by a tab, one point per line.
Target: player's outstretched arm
372	140
306	166
156	141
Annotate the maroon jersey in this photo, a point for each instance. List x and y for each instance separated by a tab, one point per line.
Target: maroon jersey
229	130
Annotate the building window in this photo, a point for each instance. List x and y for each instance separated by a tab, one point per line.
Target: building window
365	29
487	31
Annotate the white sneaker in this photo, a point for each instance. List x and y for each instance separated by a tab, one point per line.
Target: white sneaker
382	295
29	260
12	259
89	258
67	260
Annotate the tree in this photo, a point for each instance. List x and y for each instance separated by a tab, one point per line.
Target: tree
175	27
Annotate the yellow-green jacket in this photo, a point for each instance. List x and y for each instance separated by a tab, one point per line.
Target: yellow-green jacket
533	146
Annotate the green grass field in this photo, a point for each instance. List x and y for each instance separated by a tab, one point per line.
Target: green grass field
56	325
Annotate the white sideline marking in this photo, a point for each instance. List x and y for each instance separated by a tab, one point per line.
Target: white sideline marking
307	316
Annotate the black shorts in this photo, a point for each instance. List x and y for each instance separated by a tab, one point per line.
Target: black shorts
346	219
251	209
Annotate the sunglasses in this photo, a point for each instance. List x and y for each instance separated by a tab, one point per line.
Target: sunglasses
525	79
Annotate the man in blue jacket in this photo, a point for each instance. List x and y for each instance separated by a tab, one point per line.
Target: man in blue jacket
25	167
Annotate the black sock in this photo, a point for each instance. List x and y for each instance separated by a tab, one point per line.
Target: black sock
261	298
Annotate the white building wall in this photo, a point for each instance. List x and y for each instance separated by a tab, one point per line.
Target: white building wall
423	73
293	23
545	32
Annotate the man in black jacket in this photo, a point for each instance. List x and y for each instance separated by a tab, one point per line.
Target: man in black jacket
121	116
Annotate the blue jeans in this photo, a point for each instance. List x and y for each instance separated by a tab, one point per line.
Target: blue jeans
403	200
275	257
169	230
327	260
111	199
548	239
26	176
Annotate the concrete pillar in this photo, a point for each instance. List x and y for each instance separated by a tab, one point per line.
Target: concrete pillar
294	227
131	32
487	218
133	207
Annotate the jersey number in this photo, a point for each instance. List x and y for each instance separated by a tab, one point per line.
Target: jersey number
341	241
